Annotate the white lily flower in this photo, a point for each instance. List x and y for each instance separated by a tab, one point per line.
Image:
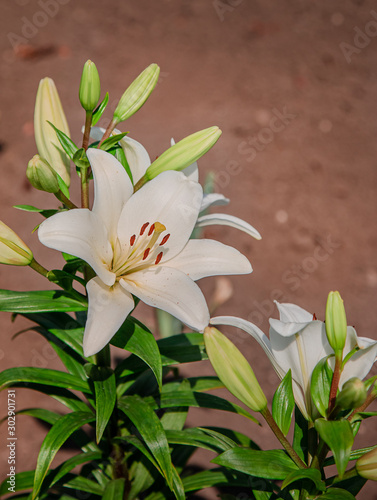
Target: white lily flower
138	244
139	160
298	342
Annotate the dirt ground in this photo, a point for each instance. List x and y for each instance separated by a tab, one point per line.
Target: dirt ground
293	86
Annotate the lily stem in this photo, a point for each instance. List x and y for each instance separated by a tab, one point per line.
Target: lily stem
40	269
84	187
108	131
335	382
67	202
283	440
88	126
102	358
370	398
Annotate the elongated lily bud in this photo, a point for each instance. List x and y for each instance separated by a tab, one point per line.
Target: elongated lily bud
233	370
336	322
183	153
90	86
48	108
13	250
366	466
136	94
41	175
352	395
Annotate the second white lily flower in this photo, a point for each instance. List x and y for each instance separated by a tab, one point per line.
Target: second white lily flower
138	244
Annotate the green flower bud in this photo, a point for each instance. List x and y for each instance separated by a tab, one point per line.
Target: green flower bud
48	108
352	395
233	370
366	465
136	94
41	175
182	154
90	87
336	322
13	250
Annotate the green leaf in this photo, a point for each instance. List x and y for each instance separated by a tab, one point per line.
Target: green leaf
64	278
218	477
337	494
40	301
151	430
79	483
320	385
23	480
67	144
136	338
55	438
175	398
98	112
198	384
184	348
355	455
231	438
121	157
62	186
30	208
300	436
80	159
103	379
178	488
270	464
312	475
283	404
45	415
114	490
56	378
112	141
197	438
338	436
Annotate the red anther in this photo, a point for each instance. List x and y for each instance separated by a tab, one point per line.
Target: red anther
146	253
159	257
165	239
132	239
314	317
151	229
143	228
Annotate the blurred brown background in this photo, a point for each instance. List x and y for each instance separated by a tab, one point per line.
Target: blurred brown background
306	179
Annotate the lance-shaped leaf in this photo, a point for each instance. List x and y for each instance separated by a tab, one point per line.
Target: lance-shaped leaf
46	376
57	435
133	336
151	430
337	494
40	301
321	384
103	379
339	438
283	404
114	490
98	112
270	464
312	475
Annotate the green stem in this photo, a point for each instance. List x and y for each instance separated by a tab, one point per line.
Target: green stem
88	125
102	358
370	398
40	269
108	131
349	474
283	440
84	187
335	382
67	202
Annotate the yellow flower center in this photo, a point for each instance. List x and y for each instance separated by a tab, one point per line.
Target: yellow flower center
142	251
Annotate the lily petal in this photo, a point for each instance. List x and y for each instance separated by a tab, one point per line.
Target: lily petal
81	233
108	308
301	353
362	361
172	291
255	332
192	171
137	157
228	220
136	154
201	258
171	199
290	313
112	188
212	199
